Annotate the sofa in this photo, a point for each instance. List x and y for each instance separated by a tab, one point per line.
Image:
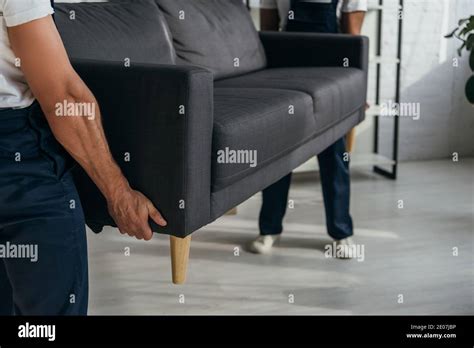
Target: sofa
202	111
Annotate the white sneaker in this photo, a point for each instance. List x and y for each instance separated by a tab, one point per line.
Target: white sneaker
263	244
344	247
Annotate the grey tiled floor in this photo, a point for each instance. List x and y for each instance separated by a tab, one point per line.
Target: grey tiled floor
408	251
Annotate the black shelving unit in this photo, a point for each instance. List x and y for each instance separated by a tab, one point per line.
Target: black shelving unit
391	174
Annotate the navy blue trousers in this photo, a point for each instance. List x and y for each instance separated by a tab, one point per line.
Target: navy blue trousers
334	171
335	181
39	208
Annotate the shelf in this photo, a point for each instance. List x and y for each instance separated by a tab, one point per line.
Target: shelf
380	8
370	159
375	8
374	110
384	60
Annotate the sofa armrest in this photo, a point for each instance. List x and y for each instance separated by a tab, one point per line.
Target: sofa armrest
290	49
158	120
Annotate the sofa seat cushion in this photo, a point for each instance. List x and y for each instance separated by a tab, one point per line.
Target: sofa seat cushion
335	91
253	127
115	31
215	34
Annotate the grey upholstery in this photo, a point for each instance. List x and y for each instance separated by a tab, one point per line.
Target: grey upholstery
172	112
334	90
112	31
234	194
271	122
213	33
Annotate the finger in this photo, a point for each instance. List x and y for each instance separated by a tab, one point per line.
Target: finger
136	229
137	232
155	215
129	230
147	233
149	236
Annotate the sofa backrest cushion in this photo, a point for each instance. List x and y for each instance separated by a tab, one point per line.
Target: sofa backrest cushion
115	31
216	34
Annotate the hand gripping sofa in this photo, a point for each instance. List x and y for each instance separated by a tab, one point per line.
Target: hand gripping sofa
201	111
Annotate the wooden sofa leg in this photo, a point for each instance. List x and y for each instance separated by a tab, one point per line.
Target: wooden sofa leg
233	211
350	140
179	258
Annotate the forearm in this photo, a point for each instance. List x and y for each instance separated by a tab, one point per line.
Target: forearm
352	22
38	44
82	135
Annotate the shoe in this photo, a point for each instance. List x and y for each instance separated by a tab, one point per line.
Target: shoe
263	244
343	247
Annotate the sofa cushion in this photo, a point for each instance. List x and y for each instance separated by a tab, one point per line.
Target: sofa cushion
216	34
335	91
263	124
115	31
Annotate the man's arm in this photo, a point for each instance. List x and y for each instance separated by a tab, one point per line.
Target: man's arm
52	80
353	14
351	22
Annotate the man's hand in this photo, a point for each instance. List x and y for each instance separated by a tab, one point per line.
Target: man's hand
130	210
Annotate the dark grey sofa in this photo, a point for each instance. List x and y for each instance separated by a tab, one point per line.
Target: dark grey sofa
180	80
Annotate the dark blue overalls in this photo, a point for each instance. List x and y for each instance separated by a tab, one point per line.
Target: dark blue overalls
39	209
334	171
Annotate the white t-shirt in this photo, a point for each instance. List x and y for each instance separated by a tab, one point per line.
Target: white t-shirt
14	91
283	7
